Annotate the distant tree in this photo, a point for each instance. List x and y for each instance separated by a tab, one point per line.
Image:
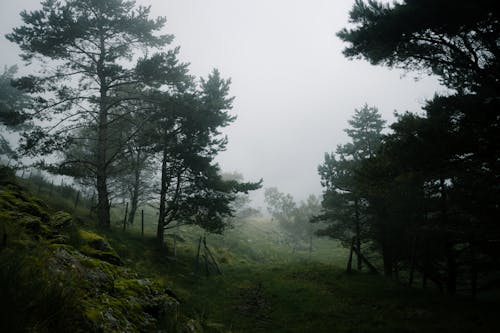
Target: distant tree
344	204
91	44
280	205
293	219
14	105
240	205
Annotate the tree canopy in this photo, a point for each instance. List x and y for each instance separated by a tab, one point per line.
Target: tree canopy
456	40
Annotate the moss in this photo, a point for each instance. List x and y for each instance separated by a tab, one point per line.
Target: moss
130	287
93	314
96	246
56	246
73	270
60	220
89	236
108	256
16	200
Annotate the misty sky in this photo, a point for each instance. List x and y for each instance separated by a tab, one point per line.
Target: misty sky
294	89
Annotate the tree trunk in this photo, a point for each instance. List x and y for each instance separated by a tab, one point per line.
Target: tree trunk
358	233
388	264
349	261
102	200
160	232
134	200
387	256
103	205
310	245
451	264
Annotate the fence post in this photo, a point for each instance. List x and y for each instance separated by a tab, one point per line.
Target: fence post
196	263
349	263
125	217
77	199
142	222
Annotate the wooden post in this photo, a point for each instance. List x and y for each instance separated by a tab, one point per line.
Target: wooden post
125	217
142	222
212	257
77	199
349	262
197	256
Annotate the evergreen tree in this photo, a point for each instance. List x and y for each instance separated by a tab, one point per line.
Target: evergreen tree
87	50
187	139
456	40
344	204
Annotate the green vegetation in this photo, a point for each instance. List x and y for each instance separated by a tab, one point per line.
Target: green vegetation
58	276
265	285
264	288
122	117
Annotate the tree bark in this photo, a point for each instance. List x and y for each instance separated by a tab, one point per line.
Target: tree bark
451	264
134	200
103	205
358	234
160	231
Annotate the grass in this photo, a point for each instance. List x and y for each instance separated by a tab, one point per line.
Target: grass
296	294
267	288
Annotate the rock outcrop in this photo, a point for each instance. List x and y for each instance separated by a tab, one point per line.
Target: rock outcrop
51	262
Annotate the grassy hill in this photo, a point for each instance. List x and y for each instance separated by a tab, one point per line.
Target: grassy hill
265	286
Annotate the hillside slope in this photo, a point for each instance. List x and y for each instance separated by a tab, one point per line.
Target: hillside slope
57	276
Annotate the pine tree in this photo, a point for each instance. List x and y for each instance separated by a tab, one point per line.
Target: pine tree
343	201
87	49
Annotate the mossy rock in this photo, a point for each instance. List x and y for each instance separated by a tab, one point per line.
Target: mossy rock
13	198
95	246
87	279
60	220
114	299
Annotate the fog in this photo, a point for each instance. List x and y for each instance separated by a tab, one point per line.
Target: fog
294	89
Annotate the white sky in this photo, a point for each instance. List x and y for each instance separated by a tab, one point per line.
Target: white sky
294	89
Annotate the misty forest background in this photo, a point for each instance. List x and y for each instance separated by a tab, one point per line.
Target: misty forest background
111	127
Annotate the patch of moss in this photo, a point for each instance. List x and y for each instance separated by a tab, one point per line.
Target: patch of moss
95	246
72	275
130	287
13	198
60	220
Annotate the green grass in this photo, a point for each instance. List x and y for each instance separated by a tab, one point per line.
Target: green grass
265	287
297	294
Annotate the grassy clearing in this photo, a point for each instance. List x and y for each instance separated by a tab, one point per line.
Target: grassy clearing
267	288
